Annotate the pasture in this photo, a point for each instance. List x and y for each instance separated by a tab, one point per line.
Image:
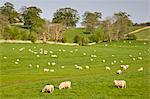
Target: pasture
23	80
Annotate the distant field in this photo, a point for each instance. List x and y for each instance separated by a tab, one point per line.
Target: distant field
145	34
19	81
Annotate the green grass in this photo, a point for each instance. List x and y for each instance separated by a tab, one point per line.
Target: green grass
72	32
21	82
145	34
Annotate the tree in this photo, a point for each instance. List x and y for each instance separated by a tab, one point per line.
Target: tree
91	20
66	16
107	26
9	11
122	24
32	19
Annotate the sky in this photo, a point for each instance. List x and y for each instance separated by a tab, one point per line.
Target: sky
138	9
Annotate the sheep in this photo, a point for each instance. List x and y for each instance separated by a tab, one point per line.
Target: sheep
37	66
124	66
51	52
91	59
133	59
49	63
53	64
51	70
87	67
121	61
48	88
65	84
37	55
78	67
21	49
16	62
84	54
119	71
140	58
120	83
107	68
13	48
45	52
71	51
103	61
112	55
140	69
62	67
115	61
30	65
46	70
5	57
54	56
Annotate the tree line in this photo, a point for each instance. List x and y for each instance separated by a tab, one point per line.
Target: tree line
34	27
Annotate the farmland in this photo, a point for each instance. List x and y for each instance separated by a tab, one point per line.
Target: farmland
21	81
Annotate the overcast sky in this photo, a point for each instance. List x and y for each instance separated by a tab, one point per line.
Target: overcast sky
138	9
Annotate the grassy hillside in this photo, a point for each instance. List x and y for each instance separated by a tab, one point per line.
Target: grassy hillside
145	34
19	81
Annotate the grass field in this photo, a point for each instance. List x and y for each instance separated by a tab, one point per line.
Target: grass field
19	81
145	34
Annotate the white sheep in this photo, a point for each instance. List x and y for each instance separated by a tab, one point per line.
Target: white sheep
103	61
48	88
37	55
91	59
54	56
46	70
5	57
140	69
51	70
107	68
65	84
16	62
87	67
120	83
62	67
37	66
30	65
119	71
124	66
140	58
53	63
84	53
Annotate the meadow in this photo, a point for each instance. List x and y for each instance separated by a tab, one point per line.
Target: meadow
21	81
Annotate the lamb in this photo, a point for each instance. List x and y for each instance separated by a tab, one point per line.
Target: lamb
120	83
107	68
46	70
140	69
48	88
65	84
119	71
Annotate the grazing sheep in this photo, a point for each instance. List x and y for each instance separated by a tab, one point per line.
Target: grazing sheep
121	61
84	53
37	55
124	66
107	68
120	83
78	67
103	61
54	56
51	70
87	67
65	84
46	70
71	51
16	62
49	63
30	65
37	66
91	59
5	57
140	58
48	88
140	69
53	63
51	52
62	67
133	59
45	52
119	71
